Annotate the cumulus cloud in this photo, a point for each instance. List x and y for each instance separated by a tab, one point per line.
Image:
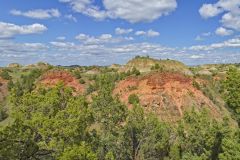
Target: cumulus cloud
149	33
123	31
38	13
63	45
71	17
130	10
142	11
230	10
231	20
102	39
202	36
223	31
8	30
20	52
70	53
152	33
209	10
140	33
196	56
61	38
231	43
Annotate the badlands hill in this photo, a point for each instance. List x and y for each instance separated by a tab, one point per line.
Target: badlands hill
165	87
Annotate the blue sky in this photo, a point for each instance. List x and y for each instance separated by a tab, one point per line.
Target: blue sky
102	32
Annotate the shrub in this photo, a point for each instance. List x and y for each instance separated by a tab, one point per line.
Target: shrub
77	74
91	88
196	85
82	81
157	67
135	71
3	113
10	85
4	74
133	99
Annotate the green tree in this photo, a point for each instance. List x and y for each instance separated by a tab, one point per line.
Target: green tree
135	71
5	75
54	118
232	91
146	137
77	74
109	115
200	136
78	152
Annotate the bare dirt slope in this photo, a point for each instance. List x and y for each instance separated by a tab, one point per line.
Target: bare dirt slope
3	89
51	78
169	95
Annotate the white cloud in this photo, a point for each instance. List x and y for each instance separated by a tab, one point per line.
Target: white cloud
149	33
199	38
14	50
231	43
206	34
67	45
196	56
70	53
142	11
38	13
8	30
231	20
102	39
223	31
152	33
35	46
209	10
202	36
140	33
130	10
230	10
61	38
77	5
71	17
123	31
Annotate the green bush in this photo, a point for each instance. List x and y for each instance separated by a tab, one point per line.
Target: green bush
4	74
196	85
3	113
77	74
133	99
157	67
135	71
10	85
82	81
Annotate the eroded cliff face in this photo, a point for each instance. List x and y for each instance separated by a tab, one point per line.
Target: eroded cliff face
167	94
3	89
53	77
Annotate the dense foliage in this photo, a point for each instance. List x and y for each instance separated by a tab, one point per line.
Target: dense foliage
53	124
232	95
5	74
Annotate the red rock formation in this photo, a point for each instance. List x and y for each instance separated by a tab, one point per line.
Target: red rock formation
167	94
51	78
3	89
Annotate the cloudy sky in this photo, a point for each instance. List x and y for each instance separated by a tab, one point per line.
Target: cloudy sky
102	32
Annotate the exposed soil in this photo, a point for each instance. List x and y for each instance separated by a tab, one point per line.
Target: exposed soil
51	78
169	95
3	89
